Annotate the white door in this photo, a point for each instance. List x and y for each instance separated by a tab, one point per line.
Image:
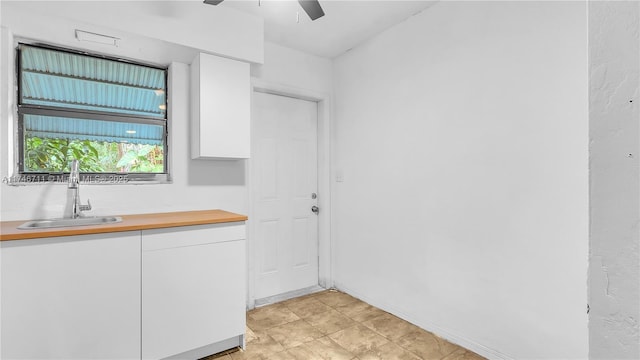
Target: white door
284	166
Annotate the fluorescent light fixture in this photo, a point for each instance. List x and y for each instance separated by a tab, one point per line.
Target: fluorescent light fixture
163	107
96	38
130	131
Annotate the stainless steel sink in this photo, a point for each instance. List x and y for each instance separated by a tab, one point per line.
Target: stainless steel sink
82	221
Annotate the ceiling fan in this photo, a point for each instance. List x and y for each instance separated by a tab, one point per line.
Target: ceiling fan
311	7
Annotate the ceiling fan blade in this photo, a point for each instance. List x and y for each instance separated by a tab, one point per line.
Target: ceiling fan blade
213	2
312	8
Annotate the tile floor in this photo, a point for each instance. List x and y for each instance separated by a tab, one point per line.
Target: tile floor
332	325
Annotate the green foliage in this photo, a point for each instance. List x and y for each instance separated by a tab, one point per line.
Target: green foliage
55	155
142	159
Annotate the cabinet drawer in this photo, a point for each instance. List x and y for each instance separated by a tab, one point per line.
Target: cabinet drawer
159	239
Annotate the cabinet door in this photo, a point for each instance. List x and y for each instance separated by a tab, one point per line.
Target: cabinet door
220	108
193	288
75	297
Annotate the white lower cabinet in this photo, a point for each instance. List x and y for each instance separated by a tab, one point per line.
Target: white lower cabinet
74	297
193	290
156	294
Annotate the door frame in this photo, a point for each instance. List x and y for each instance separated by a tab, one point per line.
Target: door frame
325	263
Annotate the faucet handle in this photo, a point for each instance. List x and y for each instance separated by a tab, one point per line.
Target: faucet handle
85	207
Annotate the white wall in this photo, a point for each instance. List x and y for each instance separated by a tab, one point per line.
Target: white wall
614	281
197	184
294	69
462	139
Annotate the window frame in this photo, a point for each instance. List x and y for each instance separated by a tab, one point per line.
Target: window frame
86	177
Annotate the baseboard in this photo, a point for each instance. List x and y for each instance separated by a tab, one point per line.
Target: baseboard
288	295
204	351
438	330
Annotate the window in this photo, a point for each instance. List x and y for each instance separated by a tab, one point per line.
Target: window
109	114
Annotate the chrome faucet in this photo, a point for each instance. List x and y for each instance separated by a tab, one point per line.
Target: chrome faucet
74	183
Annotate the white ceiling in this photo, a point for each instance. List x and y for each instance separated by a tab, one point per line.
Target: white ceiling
346	23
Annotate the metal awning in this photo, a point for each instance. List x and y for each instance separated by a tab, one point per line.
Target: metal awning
100	88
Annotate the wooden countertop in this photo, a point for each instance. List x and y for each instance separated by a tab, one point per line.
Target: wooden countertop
9	229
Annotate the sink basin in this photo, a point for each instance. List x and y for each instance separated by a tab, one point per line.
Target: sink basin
51	223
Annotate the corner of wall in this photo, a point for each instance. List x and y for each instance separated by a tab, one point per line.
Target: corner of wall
614	154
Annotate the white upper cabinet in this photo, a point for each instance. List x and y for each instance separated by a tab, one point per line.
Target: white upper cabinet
220	108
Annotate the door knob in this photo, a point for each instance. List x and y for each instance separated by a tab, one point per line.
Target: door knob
315	209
